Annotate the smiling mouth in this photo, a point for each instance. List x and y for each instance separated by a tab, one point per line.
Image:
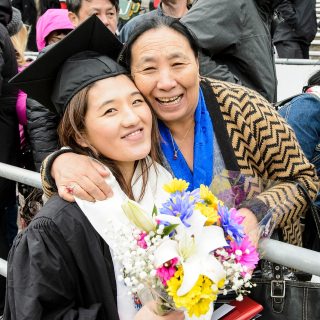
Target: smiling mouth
132	134
170	101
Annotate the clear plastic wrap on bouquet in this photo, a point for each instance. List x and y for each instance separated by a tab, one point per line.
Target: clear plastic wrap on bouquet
237	190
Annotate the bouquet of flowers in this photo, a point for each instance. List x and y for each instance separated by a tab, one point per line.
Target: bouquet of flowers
188	251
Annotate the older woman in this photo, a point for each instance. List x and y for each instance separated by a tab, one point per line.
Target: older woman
206	126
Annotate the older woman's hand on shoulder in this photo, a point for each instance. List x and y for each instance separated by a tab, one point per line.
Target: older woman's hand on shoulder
81	176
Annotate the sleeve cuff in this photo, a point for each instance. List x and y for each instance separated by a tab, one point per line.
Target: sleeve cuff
49	184
257	206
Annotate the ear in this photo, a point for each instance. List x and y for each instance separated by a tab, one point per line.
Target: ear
198	65
85	143
82	141
73	18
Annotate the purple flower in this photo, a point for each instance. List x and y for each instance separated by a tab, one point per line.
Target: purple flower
231	222
181	205
239	195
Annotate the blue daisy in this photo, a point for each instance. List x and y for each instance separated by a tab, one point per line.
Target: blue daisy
181	205
231	223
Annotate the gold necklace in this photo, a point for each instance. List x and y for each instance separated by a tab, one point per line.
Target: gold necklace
175	151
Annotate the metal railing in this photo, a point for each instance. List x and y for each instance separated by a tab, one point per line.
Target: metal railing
28	177
297	61
273	250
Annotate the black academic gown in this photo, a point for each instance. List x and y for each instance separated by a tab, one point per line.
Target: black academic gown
60	268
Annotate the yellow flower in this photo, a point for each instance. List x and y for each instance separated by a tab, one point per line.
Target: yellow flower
176	185
210	206
209	212
197	300
208	197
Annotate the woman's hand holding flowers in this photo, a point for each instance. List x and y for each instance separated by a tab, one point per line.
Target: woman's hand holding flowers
250	224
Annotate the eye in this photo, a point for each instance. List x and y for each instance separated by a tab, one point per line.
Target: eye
137	101
148	69
109	111
177	64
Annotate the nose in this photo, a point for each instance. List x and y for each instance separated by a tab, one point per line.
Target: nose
104	19
130	117
166	80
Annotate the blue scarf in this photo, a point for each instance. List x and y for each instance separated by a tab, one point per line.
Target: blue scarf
203	149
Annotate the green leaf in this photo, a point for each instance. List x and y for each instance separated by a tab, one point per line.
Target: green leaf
154	211
168	229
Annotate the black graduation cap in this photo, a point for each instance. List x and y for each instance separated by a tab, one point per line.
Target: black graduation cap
85	55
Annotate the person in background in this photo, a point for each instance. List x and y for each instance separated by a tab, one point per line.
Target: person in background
9	138
232	35
61	267
19	36
52	26
293	36
170	8
302	113
268	13
31	10
106	10
34	120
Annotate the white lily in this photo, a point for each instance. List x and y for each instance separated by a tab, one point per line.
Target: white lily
193	251
138	216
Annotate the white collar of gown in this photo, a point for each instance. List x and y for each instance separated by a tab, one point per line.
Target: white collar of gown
107	214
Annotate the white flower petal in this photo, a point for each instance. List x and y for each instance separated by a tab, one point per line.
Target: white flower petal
138	216
191	272
213	269
210	238
166	251
197	221
168	218
186	245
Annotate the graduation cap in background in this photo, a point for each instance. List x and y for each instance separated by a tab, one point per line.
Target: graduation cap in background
85	55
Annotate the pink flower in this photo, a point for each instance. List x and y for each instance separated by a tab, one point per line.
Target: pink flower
166	272
245	252
141	242
235	215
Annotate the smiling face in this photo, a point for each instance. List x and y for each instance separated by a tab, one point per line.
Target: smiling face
166	71
103	9
118	121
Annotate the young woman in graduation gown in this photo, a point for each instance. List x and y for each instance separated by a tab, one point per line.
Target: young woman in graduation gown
60	267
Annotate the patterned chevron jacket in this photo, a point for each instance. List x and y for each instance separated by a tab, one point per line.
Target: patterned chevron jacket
255	140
